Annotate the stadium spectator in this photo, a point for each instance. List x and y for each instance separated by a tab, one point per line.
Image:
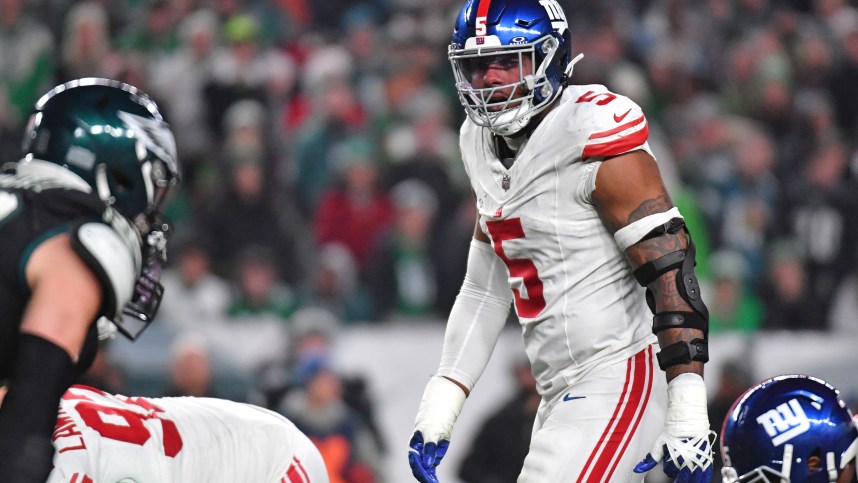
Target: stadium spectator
195	296
734	308
27	53
250	202
356	211
179	78
402	274
336	117
785	292
342	436
258	292
86	42
336	286
820	213
190	368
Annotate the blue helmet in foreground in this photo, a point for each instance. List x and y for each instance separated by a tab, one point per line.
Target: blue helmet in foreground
788	429
486	29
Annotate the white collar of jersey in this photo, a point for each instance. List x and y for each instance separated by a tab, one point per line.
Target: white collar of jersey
38	168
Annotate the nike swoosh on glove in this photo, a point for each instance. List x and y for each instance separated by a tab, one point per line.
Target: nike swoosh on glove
685	444
423	458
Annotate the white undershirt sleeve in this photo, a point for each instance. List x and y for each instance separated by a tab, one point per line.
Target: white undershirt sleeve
477	317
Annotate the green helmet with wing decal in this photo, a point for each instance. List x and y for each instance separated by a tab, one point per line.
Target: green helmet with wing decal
113	136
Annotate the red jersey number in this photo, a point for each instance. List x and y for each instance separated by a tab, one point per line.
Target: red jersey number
127	426
523	268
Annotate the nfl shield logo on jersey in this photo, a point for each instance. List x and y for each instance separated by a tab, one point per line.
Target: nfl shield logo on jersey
505	182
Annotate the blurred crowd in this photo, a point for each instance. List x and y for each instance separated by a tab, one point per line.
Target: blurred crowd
323	186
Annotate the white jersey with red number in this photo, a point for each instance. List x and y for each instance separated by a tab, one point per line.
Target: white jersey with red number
575	295
103	438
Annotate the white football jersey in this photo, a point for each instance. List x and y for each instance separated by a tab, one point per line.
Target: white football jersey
575	295
103	438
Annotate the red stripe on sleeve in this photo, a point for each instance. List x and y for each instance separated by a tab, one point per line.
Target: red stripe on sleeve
292	474
302	470
86	479
626	419
620	128
73	478
617	147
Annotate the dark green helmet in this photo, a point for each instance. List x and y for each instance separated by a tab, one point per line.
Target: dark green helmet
113	136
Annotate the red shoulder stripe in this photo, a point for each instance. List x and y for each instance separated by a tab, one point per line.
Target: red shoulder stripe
620	128
618	146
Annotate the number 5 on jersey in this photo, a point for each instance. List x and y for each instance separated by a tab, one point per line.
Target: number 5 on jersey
531	305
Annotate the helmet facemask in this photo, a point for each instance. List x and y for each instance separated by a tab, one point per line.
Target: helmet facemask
761	474
490	106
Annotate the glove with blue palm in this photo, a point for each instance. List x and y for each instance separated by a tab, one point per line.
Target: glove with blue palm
439	409
686	442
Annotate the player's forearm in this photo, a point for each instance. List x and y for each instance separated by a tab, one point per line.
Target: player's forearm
473	328
477	317
665	290
668	299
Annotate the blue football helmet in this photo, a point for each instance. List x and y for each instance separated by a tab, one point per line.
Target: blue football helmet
788	429
488	30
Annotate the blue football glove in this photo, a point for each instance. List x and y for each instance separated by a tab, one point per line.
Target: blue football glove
424	458
687	460
685	443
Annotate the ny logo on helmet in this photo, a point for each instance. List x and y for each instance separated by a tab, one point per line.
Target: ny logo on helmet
784	422
555	13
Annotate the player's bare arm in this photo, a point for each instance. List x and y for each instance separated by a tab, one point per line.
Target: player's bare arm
667	296
66	296
629	188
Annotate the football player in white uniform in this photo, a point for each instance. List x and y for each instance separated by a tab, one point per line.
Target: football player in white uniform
573	217
103	438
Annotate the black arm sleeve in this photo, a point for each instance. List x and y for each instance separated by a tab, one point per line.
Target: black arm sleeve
42	372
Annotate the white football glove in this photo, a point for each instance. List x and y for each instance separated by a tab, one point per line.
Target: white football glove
442	402
685	443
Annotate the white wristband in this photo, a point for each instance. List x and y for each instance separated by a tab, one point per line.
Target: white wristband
442	402
635	231
686	407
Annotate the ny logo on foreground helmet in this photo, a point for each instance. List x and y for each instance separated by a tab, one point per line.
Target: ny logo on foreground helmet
789	429
112	136
530	34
